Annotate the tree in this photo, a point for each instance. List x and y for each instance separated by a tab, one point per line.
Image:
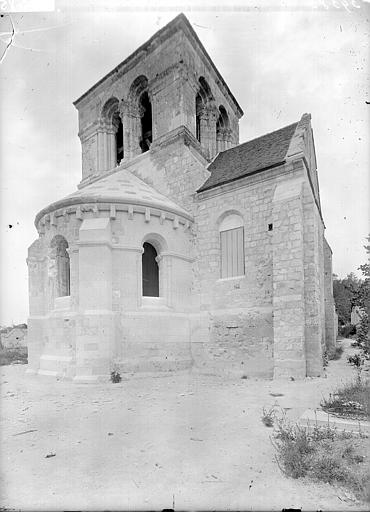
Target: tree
345	296
363	301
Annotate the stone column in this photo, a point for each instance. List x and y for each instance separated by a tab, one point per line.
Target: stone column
102	147
95	327
208	120
288	281
131	114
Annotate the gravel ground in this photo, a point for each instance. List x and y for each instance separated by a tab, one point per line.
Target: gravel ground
182	441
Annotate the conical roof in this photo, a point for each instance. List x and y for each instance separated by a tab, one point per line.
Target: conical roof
121	187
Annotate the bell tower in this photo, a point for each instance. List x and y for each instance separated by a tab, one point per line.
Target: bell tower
168	86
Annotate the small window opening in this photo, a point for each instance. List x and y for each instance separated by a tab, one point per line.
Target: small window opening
150	271
146	123
270	227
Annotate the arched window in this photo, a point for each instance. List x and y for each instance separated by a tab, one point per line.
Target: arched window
112	134
202	101
141	116
61	264
198	110
117	123
150	271
146	122
232	246
222	130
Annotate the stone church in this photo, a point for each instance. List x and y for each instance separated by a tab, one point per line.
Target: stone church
181	248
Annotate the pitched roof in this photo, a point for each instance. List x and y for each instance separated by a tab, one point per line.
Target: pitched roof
250	157
180	22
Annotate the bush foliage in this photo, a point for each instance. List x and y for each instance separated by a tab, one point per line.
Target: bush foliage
13	355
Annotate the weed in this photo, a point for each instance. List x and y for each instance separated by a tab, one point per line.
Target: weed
115	376
268	416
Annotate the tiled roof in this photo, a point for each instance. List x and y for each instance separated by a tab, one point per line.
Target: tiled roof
249	158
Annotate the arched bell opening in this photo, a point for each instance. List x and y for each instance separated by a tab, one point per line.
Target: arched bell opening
118	126
146	122
222	130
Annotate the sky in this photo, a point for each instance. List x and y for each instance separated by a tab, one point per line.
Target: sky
278	61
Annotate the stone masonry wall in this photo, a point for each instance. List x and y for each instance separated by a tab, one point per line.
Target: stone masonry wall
240	308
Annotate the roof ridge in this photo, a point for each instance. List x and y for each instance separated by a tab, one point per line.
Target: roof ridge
256	155
261	136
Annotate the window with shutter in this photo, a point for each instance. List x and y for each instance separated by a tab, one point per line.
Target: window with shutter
232	246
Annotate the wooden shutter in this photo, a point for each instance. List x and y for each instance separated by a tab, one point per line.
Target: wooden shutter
232	252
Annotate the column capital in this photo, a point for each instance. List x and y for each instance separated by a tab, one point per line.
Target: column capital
129	108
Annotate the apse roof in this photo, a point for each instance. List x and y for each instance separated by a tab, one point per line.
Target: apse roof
250	157
119	187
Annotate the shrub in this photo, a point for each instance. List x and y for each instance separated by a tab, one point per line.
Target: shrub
357	361
363	336
12	355
335	353
347	330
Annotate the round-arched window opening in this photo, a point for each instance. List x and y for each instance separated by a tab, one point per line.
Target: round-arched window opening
146	123
117	123
150	271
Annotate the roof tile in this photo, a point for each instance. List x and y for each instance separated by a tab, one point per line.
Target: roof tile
250	157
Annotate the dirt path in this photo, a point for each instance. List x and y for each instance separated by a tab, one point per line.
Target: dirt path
187	441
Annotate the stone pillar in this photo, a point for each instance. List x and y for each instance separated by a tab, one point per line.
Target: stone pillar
288	281
36	262
314	285
102	147
131	114
330	317
208	119
95	327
